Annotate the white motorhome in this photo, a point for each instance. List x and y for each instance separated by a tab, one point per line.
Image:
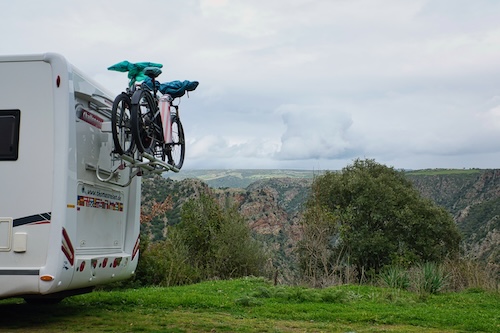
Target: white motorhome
69	207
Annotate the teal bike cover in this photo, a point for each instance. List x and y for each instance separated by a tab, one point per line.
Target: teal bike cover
135	70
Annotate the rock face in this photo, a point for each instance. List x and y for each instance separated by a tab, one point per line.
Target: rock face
274	205
265	216
270	206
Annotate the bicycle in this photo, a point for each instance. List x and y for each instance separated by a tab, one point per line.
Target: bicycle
156	124
121	111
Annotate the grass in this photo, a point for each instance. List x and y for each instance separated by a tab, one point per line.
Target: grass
254	305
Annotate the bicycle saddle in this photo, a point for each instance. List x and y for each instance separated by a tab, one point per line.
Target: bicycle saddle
174	88
152	72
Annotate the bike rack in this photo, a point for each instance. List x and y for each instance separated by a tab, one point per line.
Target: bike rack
146	163
152	164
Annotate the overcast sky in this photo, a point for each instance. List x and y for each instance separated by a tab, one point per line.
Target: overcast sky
297	84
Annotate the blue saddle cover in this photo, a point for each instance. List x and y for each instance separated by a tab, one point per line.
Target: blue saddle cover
174	88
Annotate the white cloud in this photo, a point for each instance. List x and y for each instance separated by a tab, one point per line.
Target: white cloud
315	133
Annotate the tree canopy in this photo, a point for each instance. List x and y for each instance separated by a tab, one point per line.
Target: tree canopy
377	218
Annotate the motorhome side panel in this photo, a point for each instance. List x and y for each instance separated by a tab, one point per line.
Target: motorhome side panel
102	206
26	182
107	212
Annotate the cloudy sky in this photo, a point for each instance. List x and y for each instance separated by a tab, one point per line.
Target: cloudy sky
297	84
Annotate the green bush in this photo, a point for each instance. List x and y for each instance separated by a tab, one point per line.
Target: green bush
429	278
395	277
218	240
165	263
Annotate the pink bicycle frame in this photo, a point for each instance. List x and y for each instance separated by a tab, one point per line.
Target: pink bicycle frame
166	120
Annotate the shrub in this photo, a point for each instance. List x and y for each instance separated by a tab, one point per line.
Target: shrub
165	263
218	241
395	277
429	278
469	274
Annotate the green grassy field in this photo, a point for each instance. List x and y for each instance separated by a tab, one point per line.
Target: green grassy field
254	305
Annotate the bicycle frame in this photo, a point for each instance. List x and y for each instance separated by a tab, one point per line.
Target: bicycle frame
166	119
164	104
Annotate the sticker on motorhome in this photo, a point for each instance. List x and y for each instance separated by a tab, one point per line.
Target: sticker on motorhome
43	218
91	118
92	197
92	202
101	193
67	247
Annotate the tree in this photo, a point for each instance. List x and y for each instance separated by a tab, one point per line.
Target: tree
382	219
316	248
218	240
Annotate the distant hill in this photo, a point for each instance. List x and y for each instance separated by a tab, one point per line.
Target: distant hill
240	178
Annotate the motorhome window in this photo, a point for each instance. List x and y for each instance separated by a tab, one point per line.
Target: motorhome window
9	134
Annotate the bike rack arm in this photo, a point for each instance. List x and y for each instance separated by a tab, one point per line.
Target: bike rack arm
152	165
99	172
156	161
102	179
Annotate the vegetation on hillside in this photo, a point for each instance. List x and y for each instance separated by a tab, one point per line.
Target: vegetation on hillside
443	172
272	210
157	189
473	199
446	190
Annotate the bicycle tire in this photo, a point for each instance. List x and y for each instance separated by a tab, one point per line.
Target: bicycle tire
144	129
177	148
121	125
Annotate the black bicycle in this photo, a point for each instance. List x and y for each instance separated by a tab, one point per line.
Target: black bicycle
121	112
156	125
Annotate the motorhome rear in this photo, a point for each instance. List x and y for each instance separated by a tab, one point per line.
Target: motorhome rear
69	208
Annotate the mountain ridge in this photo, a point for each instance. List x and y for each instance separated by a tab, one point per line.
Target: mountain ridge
241	178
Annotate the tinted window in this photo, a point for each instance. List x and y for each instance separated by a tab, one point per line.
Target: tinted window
9	134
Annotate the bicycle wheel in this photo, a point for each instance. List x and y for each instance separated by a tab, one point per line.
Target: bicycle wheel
176	149
144	126
121	125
